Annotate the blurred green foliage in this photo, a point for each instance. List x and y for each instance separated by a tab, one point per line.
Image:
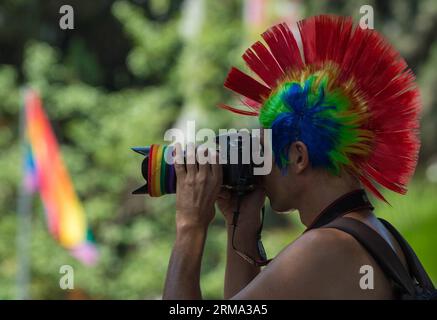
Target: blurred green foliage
120	79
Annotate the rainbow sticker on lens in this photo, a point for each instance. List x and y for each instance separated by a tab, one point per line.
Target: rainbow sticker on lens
159	175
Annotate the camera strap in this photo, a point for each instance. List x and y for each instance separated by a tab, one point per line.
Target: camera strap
261	252
349	202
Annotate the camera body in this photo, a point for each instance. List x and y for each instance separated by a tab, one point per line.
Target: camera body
234	151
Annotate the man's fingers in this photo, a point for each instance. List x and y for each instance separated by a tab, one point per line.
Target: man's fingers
191	160
259	190
224	194
179	164
216	168
203	161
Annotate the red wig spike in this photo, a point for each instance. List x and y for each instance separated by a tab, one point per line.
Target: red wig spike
325	38
284	47
261	61
243	84
237	111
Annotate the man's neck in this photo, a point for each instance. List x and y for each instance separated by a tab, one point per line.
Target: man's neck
317	199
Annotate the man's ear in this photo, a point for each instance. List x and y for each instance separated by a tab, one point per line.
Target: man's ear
298	156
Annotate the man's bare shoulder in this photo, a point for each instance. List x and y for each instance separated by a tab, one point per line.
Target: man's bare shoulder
321	264
326	245
333	261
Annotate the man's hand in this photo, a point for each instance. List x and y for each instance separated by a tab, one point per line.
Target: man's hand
197	188
249	218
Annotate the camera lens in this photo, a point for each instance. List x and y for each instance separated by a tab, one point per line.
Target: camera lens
160	175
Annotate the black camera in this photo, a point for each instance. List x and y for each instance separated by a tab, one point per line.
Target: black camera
235	152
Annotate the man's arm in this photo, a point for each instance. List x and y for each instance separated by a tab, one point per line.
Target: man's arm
183	274
238	271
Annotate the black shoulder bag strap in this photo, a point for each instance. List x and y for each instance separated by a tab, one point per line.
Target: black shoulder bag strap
416	268
380	251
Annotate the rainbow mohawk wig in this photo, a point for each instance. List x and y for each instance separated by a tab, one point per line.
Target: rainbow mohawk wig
350	98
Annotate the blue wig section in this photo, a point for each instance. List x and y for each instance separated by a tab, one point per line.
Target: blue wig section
304	122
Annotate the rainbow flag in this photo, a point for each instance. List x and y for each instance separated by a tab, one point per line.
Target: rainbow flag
45	172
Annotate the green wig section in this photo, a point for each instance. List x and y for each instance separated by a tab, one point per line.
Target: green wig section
322	119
